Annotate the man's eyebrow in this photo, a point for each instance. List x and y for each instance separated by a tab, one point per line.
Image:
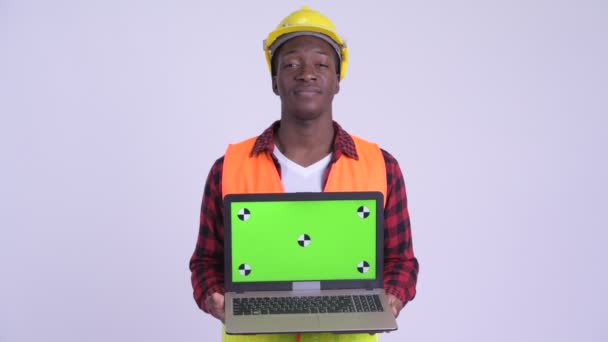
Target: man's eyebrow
322	52
288	52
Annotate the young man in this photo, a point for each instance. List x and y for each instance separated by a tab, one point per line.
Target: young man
304	151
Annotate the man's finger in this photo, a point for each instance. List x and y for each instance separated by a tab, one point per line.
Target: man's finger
395	304
218	300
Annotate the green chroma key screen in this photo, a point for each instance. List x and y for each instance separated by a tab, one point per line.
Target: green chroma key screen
303	240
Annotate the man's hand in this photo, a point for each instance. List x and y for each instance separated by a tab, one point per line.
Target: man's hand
215	304
395	303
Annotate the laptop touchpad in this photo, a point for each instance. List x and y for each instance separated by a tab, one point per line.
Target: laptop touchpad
273	324
295	322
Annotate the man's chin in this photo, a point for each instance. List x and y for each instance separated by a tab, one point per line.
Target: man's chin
308	115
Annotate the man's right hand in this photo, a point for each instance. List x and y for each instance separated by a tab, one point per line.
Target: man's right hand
215	305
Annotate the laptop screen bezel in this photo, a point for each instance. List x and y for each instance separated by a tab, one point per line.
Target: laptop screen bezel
377	282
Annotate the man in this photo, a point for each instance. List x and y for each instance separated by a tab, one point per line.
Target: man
304	151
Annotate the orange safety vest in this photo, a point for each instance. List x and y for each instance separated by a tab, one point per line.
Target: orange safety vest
247	173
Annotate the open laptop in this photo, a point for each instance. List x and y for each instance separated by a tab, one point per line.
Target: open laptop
305	262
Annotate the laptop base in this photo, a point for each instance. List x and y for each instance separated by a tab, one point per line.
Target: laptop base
341	322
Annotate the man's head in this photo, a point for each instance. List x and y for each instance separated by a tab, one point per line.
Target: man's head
306	21
307	59
306	77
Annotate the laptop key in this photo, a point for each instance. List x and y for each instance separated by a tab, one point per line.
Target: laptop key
306	305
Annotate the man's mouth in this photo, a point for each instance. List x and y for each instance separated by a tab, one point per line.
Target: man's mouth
307	91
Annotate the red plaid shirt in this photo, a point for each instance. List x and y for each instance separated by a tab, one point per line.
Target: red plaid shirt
400	264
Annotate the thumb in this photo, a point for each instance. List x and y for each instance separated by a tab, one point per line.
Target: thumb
218	300
395	304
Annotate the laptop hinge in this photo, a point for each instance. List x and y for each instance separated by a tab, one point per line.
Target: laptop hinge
306	285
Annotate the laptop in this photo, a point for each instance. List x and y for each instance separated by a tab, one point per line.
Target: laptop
305	262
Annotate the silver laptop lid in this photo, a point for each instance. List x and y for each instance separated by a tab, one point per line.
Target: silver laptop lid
332	239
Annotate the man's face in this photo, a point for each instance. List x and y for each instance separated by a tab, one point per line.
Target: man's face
306	77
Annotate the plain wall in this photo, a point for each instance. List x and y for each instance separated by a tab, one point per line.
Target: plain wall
112	112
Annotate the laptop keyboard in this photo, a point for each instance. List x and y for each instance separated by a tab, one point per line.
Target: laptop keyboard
306	304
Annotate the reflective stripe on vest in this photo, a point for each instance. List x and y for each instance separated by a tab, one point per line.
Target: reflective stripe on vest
246	173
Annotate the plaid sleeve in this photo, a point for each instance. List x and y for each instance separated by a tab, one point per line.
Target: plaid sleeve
207	262
400	264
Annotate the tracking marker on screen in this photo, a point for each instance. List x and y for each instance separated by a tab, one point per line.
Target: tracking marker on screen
363	212
244	214
304	240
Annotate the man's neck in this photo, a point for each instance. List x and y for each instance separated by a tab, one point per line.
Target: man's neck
305	142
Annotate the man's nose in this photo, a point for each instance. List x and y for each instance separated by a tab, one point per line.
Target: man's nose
307	72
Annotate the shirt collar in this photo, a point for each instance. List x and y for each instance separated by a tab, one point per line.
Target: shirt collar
343	142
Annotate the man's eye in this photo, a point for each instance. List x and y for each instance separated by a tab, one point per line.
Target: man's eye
290	65
324	65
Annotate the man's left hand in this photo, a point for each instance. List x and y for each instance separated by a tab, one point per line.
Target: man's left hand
395	304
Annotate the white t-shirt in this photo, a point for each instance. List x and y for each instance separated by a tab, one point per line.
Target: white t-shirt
297	178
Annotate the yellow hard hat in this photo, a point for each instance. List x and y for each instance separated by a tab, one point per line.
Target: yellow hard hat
307	20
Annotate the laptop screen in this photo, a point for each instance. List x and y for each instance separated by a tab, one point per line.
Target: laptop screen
275	240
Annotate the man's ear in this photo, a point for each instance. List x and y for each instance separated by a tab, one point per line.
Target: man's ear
337	90
275	87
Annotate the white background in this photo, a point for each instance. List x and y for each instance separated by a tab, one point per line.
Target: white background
112	113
